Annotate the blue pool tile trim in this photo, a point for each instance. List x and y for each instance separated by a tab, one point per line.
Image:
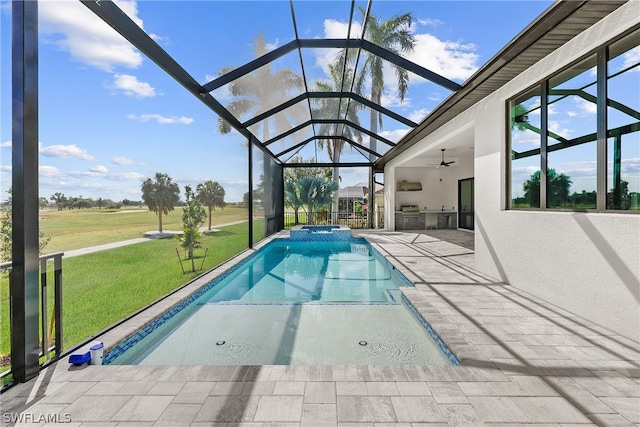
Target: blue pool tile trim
452	357
389	265
320	233
119	349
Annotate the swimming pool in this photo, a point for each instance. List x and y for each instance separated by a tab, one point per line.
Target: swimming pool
311	302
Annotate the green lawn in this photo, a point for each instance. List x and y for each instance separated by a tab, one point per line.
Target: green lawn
103	287
79	228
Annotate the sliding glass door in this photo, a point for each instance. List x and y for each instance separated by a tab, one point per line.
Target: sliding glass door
465	203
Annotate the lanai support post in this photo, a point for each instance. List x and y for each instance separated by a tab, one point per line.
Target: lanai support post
372	200
24	282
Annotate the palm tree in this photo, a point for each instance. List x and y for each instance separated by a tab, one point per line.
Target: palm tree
59	200
161	195
210	194
292	197
261	90
315	192
258	92
329	108
393	35
519	117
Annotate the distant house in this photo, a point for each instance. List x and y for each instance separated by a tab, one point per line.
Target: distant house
352	199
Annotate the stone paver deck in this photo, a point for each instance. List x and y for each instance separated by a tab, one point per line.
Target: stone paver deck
524	362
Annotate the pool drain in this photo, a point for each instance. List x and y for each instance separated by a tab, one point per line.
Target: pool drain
363	343
220	343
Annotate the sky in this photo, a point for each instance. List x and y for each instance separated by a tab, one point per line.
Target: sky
110	117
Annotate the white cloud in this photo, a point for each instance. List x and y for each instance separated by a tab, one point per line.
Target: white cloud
65	152
131	86
6	144
453	60
559	129
272	46
632	57
99	173
163	120
430	22
126	176
418	115
586	106
526	139
390	98
232	182
394	135
49	172
334	30
338	30
73	28
99	169
5	168
122	161
576	170
85	174
524	170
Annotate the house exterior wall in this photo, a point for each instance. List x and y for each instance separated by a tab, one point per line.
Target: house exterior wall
586	263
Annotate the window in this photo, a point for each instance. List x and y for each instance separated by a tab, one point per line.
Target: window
525	150
623	117
571	137
554	133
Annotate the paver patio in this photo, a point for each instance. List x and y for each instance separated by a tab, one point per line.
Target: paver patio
524	362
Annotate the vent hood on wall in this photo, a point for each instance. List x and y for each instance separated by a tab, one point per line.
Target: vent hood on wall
408	186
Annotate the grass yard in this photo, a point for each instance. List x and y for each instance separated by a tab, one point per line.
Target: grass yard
79	228
103	287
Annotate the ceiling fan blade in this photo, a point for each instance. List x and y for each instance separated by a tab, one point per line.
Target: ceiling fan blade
443	163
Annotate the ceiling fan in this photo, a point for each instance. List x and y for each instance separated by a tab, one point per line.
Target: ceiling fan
443	163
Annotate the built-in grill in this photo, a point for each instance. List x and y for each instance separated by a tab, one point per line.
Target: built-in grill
411	217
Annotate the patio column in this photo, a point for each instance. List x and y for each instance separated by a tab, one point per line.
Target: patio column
372	194
24	281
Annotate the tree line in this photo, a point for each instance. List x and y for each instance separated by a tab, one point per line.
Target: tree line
559	194
63	202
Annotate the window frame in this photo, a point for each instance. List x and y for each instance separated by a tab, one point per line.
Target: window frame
542	87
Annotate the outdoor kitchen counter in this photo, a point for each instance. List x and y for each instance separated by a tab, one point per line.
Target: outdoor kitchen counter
426	220
431	211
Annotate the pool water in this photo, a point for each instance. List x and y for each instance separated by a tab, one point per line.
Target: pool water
292	302
293	271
